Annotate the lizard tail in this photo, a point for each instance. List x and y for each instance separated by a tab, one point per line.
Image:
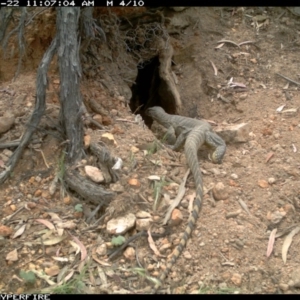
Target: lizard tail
194	140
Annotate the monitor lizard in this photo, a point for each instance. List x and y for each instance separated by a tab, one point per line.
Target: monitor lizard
195	133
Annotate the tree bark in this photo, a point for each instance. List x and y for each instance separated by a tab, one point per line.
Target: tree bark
70	73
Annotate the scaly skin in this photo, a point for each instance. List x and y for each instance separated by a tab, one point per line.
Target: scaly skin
195	133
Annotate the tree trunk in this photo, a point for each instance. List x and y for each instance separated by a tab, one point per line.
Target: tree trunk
70	73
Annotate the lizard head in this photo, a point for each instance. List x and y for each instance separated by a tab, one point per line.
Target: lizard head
155	111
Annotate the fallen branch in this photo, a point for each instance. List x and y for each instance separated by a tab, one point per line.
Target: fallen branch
288	79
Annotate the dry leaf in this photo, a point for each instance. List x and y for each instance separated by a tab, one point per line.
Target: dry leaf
280	108
12	256
82	248
75	246
54	217
46	223
190	199
214	67
220	46
68	277
244	206
67	225
154	177
19	231
271	242
152	245
43	276
61	259
101	262
102	276
287	242
52	241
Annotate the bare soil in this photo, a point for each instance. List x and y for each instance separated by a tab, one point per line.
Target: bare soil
227	252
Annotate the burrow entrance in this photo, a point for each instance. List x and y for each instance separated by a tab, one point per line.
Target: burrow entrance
150	90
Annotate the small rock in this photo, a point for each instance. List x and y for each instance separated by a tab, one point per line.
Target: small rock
94	173
4	157
234	176
106	121
143	214
38	179
67	200
222	285
150	268
143	224
278	148
215	171
176	217
5	231
263	183
129	253
6	122
121	225
117	187
187	255
114	112
243	96
236	279
283	286
134	149
52	270
276	216
13	207
295	278
133	182
237	133
7	152
271	180
87	141
37	193
31	205
98	118
219	191
20	290
109	139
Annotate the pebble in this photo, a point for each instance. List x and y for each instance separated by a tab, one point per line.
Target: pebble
234	176
222	285
283	286
271	180
236	279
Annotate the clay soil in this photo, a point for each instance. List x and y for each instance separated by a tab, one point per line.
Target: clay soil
227	252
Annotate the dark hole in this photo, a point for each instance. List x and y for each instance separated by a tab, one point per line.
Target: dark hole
145	91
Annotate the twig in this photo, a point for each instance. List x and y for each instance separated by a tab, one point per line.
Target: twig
288	79
44	158
229	42
124	120
178	198
6	219
214	67
247	42
11	144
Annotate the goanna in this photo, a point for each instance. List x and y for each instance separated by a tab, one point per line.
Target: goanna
195	133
